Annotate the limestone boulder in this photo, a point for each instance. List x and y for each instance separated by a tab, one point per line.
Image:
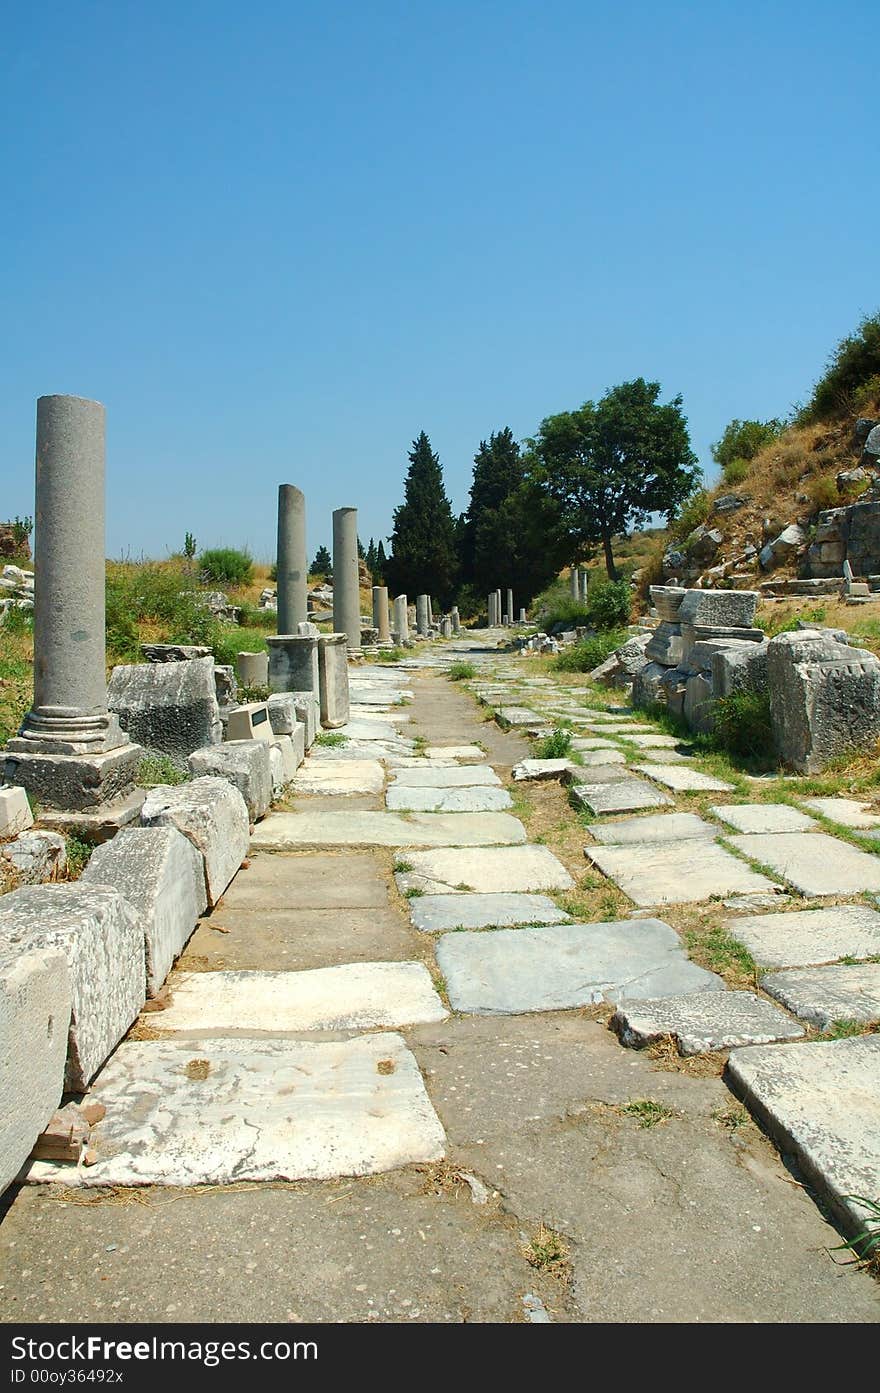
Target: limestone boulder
35	857
213	815
247	766
168	708
718	608
647	684
824	698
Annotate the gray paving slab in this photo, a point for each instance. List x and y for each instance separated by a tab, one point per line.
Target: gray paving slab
684	873
821	1100
484	870
805	937
682	779
848	812
218	1111
517	716
440	913
292	831
425	775
340	776
509	971
618	796
473	799
592	759
655	827
813	862
591	742
707	1021
822	995
763	817
605	773
653	741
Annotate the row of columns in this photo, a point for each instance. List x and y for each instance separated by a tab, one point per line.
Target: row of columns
499	616
578	581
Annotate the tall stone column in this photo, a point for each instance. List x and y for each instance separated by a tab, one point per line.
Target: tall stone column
292	557
70	752
575	583
490	609
510	606
346	597
498	610
456	619
380	613
401	619
584	587
422	620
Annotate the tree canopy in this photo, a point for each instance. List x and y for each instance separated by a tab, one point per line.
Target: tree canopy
743	439
423	559
610	464
322	564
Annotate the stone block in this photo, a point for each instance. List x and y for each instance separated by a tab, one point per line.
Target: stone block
824	698
665	645
293	663
282	713
442	913
35	1001
484	870
823	995
245	764
725	608
250	722
763	817
698	703
621	795
333	680
173	652
168	708
212	814
79	783
647	684
682	779
813	862
667	599
161	876
704	1021
35	857
308	713
739	667
672	688
15	812
252	669
102	938
664	828
804	937
676	873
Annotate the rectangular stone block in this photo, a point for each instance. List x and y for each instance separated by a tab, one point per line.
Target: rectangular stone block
486	870
293	663
102	939
665	645
823	995
250	722
806	936
333	680
824	698
161	876
282	712
168	708
704	1021
212	814
682	873
246	764
727	608
813	862
619	796
35	1000
15	812
739	667
78	783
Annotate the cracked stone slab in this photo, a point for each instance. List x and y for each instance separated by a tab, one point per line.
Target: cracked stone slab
822	995
586	742
805	937
463	752
848	812
605	773
353	996
517	716
440	913
510	971
473	799
656	827
618	796
821	1101
682	779
653	741
486	870
592	759
290	831
340	777
684	873
813	862
529	769
211	1112
424	775
763	817
707	1021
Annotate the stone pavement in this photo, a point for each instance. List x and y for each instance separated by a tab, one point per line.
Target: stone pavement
376	1078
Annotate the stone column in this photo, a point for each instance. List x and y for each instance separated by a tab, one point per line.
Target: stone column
252	669
422	622
575	583
380	613
292	557
71	752
293	663
490	610
522	617
456	620
510	606
333	679
346	596
401	621
583	587
446	627
498	609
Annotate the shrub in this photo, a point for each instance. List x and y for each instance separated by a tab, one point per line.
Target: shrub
823	492
156	770
253	617
229	641
226	566
736	472
742	724
590	652
609	603
693	511
17	621
742	440
867	397
159	597
460	671
555	746
852	365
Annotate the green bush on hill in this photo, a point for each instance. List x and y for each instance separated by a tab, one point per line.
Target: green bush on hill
226	566
848	376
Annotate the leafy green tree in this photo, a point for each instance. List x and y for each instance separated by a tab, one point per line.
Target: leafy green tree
742	440
322	564
610	464
370	557
423	559
361	552
854	363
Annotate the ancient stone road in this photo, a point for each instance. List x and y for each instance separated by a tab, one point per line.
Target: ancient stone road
322	964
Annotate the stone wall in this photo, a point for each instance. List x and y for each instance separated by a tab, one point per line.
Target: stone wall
846	534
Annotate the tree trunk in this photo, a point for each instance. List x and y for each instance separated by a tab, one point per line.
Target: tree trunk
609	558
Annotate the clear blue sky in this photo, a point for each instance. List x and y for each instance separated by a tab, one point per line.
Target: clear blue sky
279	239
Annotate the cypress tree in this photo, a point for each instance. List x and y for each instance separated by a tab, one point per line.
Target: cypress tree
322	564
423	541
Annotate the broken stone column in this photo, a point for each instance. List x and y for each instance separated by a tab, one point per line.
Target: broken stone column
583	581
346	594
380	613
490	609
446	627
522	616
401	620
292	559
423	619
293	663
455	618
70	752
252	669
333	680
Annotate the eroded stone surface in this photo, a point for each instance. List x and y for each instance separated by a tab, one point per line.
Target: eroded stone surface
339	777
287	831
679	874
508	971
423	774
211	1112
436	913
763	817
655	827
488	870
246	764
823	995
210	813
618	796
813	862
473	799
807	936
683	779
848	812
706	1021
34	1017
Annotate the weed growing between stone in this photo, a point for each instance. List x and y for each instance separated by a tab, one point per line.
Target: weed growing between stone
647	1111
156	770
460	672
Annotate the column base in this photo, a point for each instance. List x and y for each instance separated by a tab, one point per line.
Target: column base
74	782
99	824
54	730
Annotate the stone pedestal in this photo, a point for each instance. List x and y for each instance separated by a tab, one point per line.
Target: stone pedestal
380	613
292	558
401	622
333	679
252	669
446	627
423	618
522	616
61	750
293	663
346	597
